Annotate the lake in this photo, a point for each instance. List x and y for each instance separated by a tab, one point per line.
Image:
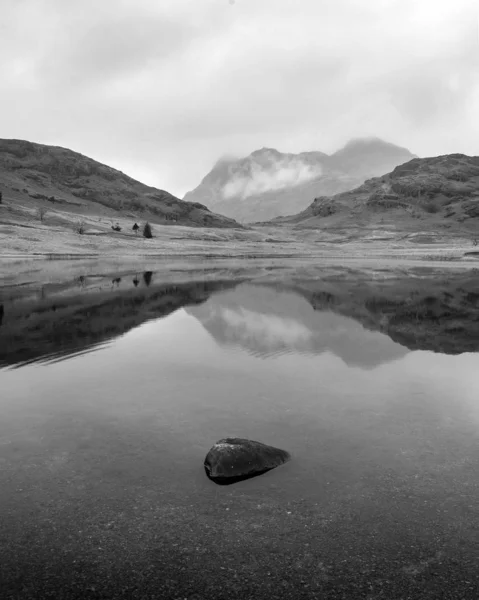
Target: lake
114	387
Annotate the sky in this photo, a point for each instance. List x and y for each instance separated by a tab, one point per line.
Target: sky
160	89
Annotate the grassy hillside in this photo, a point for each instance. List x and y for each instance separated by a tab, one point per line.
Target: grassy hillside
424	193
53	179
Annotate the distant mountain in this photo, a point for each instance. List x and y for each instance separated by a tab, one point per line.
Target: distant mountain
369	157
56	177
268	183
441	191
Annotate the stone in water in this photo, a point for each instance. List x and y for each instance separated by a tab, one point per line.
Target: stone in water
235	459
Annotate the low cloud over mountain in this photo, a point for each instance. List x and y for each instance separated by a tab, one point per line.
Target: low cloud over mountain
268	183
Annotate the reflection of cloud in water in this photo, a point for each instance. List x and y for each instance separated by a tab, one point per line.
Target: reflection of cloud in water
267	322
267	331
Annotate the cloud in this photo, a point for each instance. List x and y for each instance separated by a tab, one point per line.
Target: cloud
275	176
160	90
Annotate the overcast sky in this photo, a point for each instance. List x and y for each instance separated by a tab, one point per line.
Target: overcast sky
161	88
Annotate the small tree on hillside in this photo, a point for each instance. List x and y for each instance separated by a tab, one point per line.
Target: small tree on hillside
41	212
147	231
135	228
1	197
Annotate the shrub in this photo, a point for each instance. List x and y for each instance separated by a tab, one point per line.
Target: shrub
1	197
431	207
80	227
147	233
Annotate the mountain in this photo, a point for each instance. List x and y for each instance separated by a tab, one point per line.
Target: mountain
54	177
268	183
369	157
442	191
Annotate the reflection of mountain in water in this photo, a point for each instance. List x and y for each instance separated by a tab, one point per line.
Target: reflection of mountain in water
66	324
365	321
265	322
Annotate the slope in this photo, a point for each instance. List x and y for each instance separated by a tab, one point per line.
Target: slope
57	178
424	193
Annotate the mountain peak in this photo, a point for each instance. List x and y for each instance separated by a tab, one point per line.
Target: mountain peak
365	141
265	151
359	143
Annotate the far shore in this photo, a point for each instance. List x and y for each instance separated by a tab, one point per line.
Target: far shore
27	244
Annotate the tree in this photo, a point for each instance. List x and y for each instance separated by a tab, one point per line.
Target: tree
1	197
147	275
41	213
135	228
80	227
147	231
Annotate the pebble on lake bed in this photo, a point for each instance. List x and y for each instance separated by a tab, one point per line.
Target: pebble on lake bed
234	459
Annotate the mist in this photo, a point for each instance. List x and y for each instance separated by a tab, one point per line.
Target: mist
274	177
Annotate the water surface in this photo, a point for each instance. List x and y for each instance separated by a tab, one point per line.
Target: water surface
110	403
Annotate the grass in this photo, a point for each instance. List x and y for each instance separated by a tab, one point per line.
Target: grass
23	235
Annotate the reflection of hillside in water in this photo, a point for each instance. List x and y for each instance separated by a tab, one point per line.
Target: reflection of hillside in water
365	321
267	322
69	322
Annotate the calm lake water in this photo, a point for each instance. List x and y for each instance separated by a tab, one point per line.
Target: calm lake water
103	433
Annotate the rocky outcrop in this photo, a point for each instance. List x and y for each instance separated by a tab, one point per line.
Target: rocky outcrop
60	176
440	190
235	459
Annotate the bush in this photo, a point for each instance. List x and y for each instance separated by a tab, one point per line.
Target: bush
80	227
431	207
1	197
147	233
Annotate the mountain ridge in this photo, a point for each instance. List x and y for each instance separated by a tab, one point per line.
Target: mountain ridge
269	183
442	190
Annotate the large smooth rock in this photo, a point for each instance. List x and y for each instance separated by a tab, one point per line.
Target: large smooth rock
235	459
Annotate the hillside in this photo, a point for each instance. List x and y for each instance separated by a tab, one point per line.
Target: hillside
56	179
269	183
427	193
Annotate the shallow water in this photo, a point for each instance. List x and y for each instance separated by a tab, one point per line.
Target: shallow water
102	445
